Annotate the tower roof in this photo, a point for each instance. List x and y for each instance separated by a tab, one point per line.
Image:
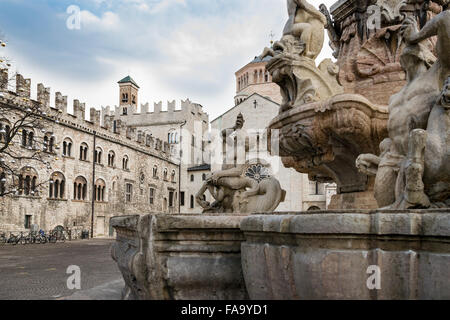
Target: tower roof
128	79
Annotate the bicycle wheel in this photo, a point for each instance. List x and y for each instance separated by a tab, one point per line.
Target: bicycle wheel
23	241
12	240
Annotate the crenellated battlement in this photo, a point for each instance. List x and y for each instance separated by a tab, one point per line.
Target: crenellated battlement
104	122
129	114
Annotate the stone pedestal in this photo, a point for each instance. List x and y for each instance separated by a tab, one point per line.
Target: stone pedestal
347	201
165	257
347	255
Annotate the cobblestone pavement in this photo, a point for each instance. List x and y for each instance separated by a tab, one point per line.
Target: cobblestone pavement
38	272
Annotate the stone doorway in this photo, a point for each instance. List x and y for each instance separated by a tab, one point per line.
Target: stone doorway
100	226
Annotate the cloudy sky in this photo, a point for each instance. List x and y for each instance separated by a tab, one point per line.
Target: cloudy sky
174	49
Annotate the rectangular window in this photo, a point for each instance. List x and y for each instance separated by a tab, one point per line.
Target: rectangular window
27	223
171	202
152	196
316	188
182	198
128	192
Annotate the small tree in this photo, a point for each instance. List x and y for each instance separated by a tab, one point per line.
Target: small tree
26	139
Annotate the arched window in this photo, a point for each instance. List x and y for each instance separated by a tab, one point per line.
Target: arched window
124	98
57	186
166	174
152	195
125	164
314	208
192	178
155	172
204	177
67	147
80	189
5	129
28	182
192	202
27	138
172	137
49	142
24	138
111	158
173	176
100	188
84	152
98	155
2	183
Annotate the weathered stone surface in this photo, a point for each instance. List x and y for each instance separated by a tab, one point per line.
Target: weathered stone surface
325	121
243	187
413	169
180	257
326	255
324	139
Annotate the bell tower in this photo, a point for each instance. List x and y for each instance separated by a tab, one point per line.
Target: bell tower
128	95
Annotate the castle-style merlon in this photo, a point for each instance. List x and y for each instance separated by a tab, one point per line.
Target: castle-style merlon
43	95
144	108
79	109
4	79
140	137
186	105
94	116
171	106
23	86
149	141
61	102
157	107
131	133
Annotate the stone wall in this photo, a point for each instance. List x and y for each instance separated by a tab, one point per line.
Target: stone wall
143	156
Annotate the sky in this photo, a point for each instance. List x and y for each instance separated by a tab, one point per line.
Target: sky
174	49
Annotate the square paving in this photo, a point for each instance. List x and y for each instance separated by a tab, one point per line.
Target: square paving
38	272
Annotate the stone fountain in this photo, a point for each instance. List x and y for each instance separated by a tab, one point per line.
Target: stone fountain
394	99
334	112
377	123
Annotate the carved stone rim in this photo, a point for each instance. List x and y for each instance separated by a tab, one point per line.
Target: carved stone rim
432	223
309	110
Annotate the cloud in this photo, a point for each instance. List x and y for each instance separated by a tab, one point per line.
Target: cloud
174	49
108	21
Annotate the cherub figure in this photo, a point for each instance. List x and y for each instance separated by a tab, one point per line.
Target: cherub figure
308	24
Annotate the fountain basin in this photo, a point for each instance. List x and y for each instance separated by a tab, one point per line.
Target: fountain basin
323	139
176	257
332	255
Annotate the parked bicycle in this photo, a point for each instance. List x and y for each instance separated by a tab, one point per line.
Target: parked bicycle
58	234
19	239
3	239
